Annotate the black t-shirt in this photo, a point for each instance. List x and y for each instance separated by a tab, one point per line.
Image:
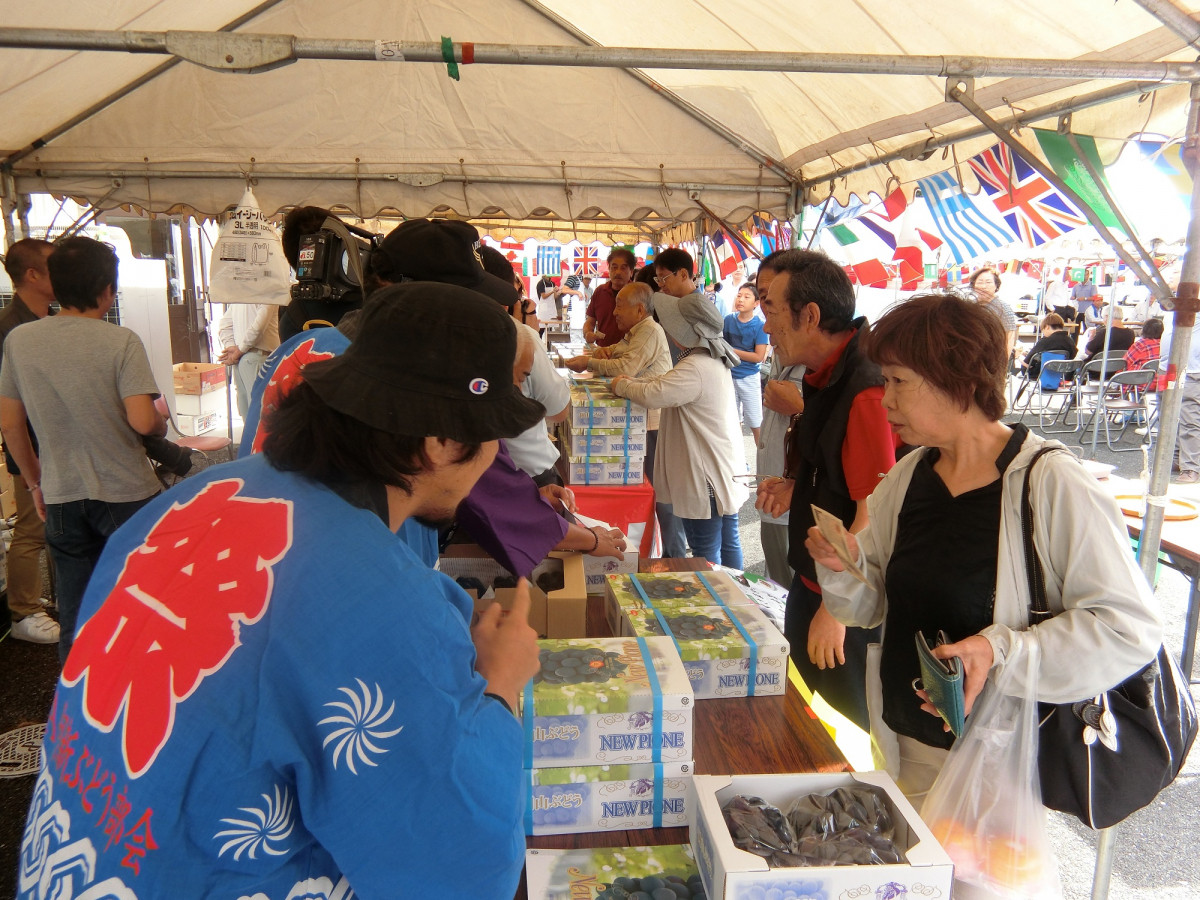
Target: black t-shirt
941	577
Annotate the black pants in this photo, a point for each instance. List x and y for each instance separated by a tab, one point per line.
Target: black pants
844	686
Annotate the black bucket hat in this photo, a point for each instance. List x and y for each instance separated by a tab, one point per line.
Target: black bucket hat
445	250
430	360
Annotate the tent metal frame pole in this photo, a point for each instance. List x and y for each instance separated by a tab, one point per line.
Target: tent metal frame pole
958	91
925	148
710	122
116	95
1175	18
413	180
241	52
8	206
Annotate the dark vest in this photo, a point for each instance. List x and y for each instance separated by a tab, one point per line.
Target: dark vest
815	454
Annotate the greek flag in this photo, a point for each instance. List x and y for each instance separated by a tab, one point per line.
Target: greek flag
968	231
549	260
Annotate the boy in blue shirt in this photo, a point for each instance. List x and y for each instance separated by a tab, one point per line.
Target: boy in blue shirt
745	334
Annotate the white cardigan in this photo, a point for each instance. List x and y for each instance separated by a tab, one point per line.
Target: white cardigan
1105	624
699	437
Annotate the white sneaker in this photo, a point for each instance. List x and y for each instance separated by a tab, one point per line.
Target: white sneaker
37	629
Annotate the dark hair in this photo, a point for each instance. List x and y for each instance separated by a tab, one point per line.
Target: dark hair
307	436
25	254
645	275
299	221
1055	321
771	262
956	345
81	269
496	263
815	278
673	259
975	276
622	253
1153	328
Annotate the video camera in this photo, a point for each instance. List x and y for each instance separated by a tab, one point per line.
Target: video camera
331	262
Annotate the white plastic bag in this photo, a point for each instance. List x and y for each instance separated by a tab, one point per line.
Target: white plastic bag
247	264
986	806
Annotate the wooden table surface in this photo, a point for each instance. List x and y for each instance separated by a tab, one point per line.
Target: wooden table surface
732	736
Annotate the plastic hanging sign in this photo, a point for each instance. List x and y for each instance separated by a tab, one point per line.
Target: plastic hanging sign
247	263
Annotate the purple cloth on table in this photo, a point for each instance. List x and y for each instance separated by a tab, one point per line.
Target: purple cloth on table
508	518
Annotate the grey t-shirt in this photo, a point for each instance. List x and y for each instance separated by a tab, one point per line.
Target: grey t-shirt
73	374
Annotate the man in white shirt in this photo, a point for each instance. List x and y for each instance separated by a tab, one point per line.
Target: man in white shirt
248	332
532	450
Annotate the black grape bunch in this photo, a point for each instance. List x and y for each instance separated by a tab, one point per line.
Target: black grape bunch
654	887
669	589
579	665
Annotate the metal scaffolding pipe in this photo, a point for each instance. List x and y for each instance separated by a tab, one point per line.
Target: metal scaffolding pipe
922	149
415	180
1175	18
251	52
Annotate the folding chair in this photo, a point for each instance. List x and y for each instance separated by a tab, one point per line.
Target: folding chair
1087	386
1124	393
1054	373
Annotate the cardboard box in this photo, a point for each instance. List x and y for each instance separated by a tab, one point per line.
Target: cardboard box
596	569
595	702
585	873
729	872
594	406
209	403
579	799
729	649
198	378
584	442
194	425
564	611
8	505
604	469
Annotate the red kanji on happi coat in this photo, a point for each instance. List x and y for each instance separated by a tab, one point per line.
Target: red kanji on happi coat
174	616
283	379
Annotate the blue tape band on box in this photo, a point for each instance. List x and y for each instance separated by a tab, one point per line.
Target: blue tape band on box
658	795
591	406
752	674
527	720
662	623
656	738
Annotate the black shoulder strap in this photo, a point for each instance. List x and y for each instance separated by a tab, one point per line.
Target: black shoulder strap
1039	609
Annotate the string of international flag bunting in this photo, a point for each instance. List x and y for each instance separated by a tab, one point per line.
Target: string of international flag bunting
1015	204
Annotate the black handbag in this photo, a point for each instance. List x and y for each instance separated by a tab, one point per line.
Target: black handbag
1103	758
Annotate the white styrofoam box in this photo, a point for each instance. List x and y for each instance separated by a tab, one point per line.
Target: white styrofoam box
202	404
594	406
605	701
730	873
579	799
194	425
604	469
585	442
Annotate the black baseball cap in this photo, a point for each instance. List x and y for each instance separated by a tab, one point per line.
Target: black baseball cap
430	360
445	250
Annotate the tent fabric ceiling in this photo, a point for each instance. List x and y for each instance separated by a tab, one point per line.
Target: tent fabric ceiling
522	142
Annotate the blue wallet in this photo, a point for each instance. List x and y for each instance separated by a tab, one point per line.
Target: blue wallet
942	680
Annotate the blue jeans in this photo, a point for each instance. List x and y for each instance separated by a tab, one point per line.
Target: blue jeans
715	538
76	533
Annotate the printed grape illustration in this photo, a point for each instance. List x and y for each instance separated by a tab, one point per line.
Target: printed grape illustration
698	628
654	887
669	589
579	665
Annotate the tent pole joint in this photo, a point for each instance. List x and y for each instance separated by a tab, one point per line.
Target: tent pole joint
235	52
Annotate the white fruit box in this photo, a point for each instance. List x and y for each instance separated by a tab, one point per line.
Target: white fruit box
579	799
730	872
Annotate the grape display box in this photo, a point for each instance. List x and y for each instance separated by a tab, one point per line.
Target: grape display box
728	646
575	799
594	406
730	873
619	470
584	442
592	873
605	701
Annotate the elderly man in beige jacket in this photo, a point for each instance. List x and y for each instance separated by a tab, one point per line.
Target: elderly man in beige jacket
700	441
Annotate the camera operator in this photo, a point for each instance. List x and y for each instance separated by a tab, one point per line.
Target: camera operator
306	313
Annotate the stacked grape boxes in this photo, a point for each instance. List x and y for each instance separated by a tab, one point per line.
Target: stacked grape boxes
728	646
606	436
595	871
608	731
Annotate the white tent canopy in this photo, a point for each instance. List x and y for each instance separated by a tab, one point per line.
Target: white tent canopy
657	146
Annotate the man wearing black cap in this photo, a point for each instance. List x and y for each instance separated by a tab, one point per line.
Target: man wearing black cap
279	696
504	514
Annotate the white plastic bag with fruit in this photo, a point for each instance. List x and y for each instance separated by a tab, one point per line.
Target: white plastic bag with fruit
986	805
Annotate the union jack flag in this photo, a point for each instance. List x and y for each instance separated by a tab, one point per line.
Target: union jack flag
587	262
1034	210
